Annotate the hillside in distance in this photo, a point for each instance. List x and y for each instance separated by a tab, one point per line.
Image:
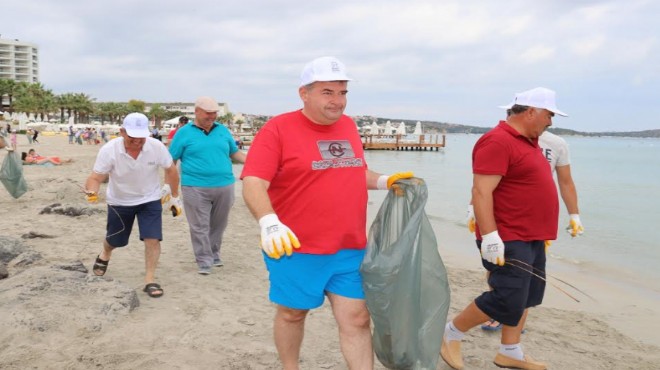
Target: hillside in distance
454	128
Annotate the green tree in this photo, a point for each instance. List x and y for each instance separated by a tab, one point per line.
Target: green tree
66	103
136	106
34	98
156	114
83	106
11	88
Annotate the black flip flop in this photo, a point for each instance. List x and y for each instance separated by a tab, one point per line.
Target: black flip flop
100	265
152	288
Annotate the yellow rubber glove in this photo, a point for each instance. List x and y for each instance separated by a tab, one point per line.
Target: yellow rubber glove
398	176
91	197
548	243
276	238
470	220
575	227
176	206
165	194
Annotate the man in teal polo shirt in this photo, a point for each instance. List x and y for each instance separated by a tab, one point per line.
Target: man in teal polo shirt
206	149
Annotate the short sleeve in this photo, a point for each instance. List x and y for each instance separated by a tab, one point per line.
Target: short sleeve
265	154
490	157
104	160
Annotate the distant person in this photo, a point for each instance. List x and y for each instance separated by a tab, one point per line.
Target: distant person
206	150
79	136
71	134
306	181
28	135
517	208
155	134
14	140
31	157
183	120
131	164
34	137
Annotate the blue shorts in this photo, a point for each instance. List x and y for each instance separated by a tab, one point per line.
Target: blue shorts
301	280
120	222
514	288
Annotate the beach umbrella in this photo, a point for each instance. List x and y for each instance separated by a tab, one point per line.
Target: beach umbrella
401	130
374	128
418	129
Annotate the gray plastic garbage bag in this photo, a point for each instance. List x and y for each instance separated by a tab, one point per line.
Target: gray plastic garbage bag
405	281
11	175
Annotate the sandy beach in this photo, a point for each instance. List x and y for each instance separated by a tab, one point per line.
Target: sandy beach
224	320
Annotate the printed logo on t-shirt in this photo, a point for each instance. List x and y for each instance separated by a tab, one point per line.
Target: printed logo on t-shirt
336	154
547	153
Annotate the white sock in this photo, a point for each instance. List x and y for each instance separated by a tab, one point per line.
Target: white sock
512	350
451	333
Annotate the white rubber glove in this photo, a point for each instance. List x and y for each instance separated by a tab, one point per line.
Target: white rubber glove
470	220
276	238
492	248
165	194
575	227
176	206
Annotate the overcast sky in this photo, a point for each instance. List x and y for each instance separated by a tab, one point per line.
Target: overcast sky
448	61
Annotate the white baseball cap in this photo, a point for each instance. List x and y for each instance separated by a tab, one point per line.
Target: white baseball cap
539	97
136	125
323	69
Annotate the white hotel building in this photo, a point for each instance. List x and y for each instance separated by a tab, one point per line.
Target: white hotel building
19	61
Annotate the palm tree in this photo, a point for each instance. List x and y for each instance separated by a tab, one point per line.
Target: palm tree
156	114
34	98
82	106
65	103
10	88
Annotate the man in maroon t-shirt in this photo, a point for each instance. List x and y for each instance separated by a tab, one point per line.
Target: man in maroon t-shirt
517	208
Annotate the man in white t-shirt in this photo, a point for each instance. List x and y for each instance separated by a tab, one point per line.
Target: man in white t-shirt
131	165
555	150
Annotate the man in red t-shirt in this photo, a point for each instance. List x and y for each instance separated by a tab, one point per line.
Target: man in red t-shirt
306	170
516	208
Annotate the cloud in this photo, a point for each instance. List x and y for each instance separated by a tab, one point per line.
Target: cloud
420	59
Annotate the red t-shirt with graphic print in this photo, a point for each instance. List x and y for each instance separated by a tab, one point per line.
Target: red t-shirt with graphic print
317	180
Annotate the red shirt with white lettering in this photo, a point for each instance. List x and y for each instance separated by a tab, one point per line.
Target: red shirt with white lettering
317	180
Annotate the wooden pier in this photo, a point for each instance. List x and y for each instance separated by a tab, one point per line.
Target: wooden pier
395	142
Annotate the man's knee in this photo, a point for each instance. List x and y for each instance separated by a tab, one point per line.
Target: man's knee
291	315
358	319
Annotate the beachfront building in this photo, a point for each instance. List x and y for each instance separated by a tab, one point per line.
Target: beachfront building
187	109
19	61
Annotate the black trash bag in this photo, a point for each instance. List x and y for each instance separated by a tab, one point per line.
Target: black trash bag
405	281
11	175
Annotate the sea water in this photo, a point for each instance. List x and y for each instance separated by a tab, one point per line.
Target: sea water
618	184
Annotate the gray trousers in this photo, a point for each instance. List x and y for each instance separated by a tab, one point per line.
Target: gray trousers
207	211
